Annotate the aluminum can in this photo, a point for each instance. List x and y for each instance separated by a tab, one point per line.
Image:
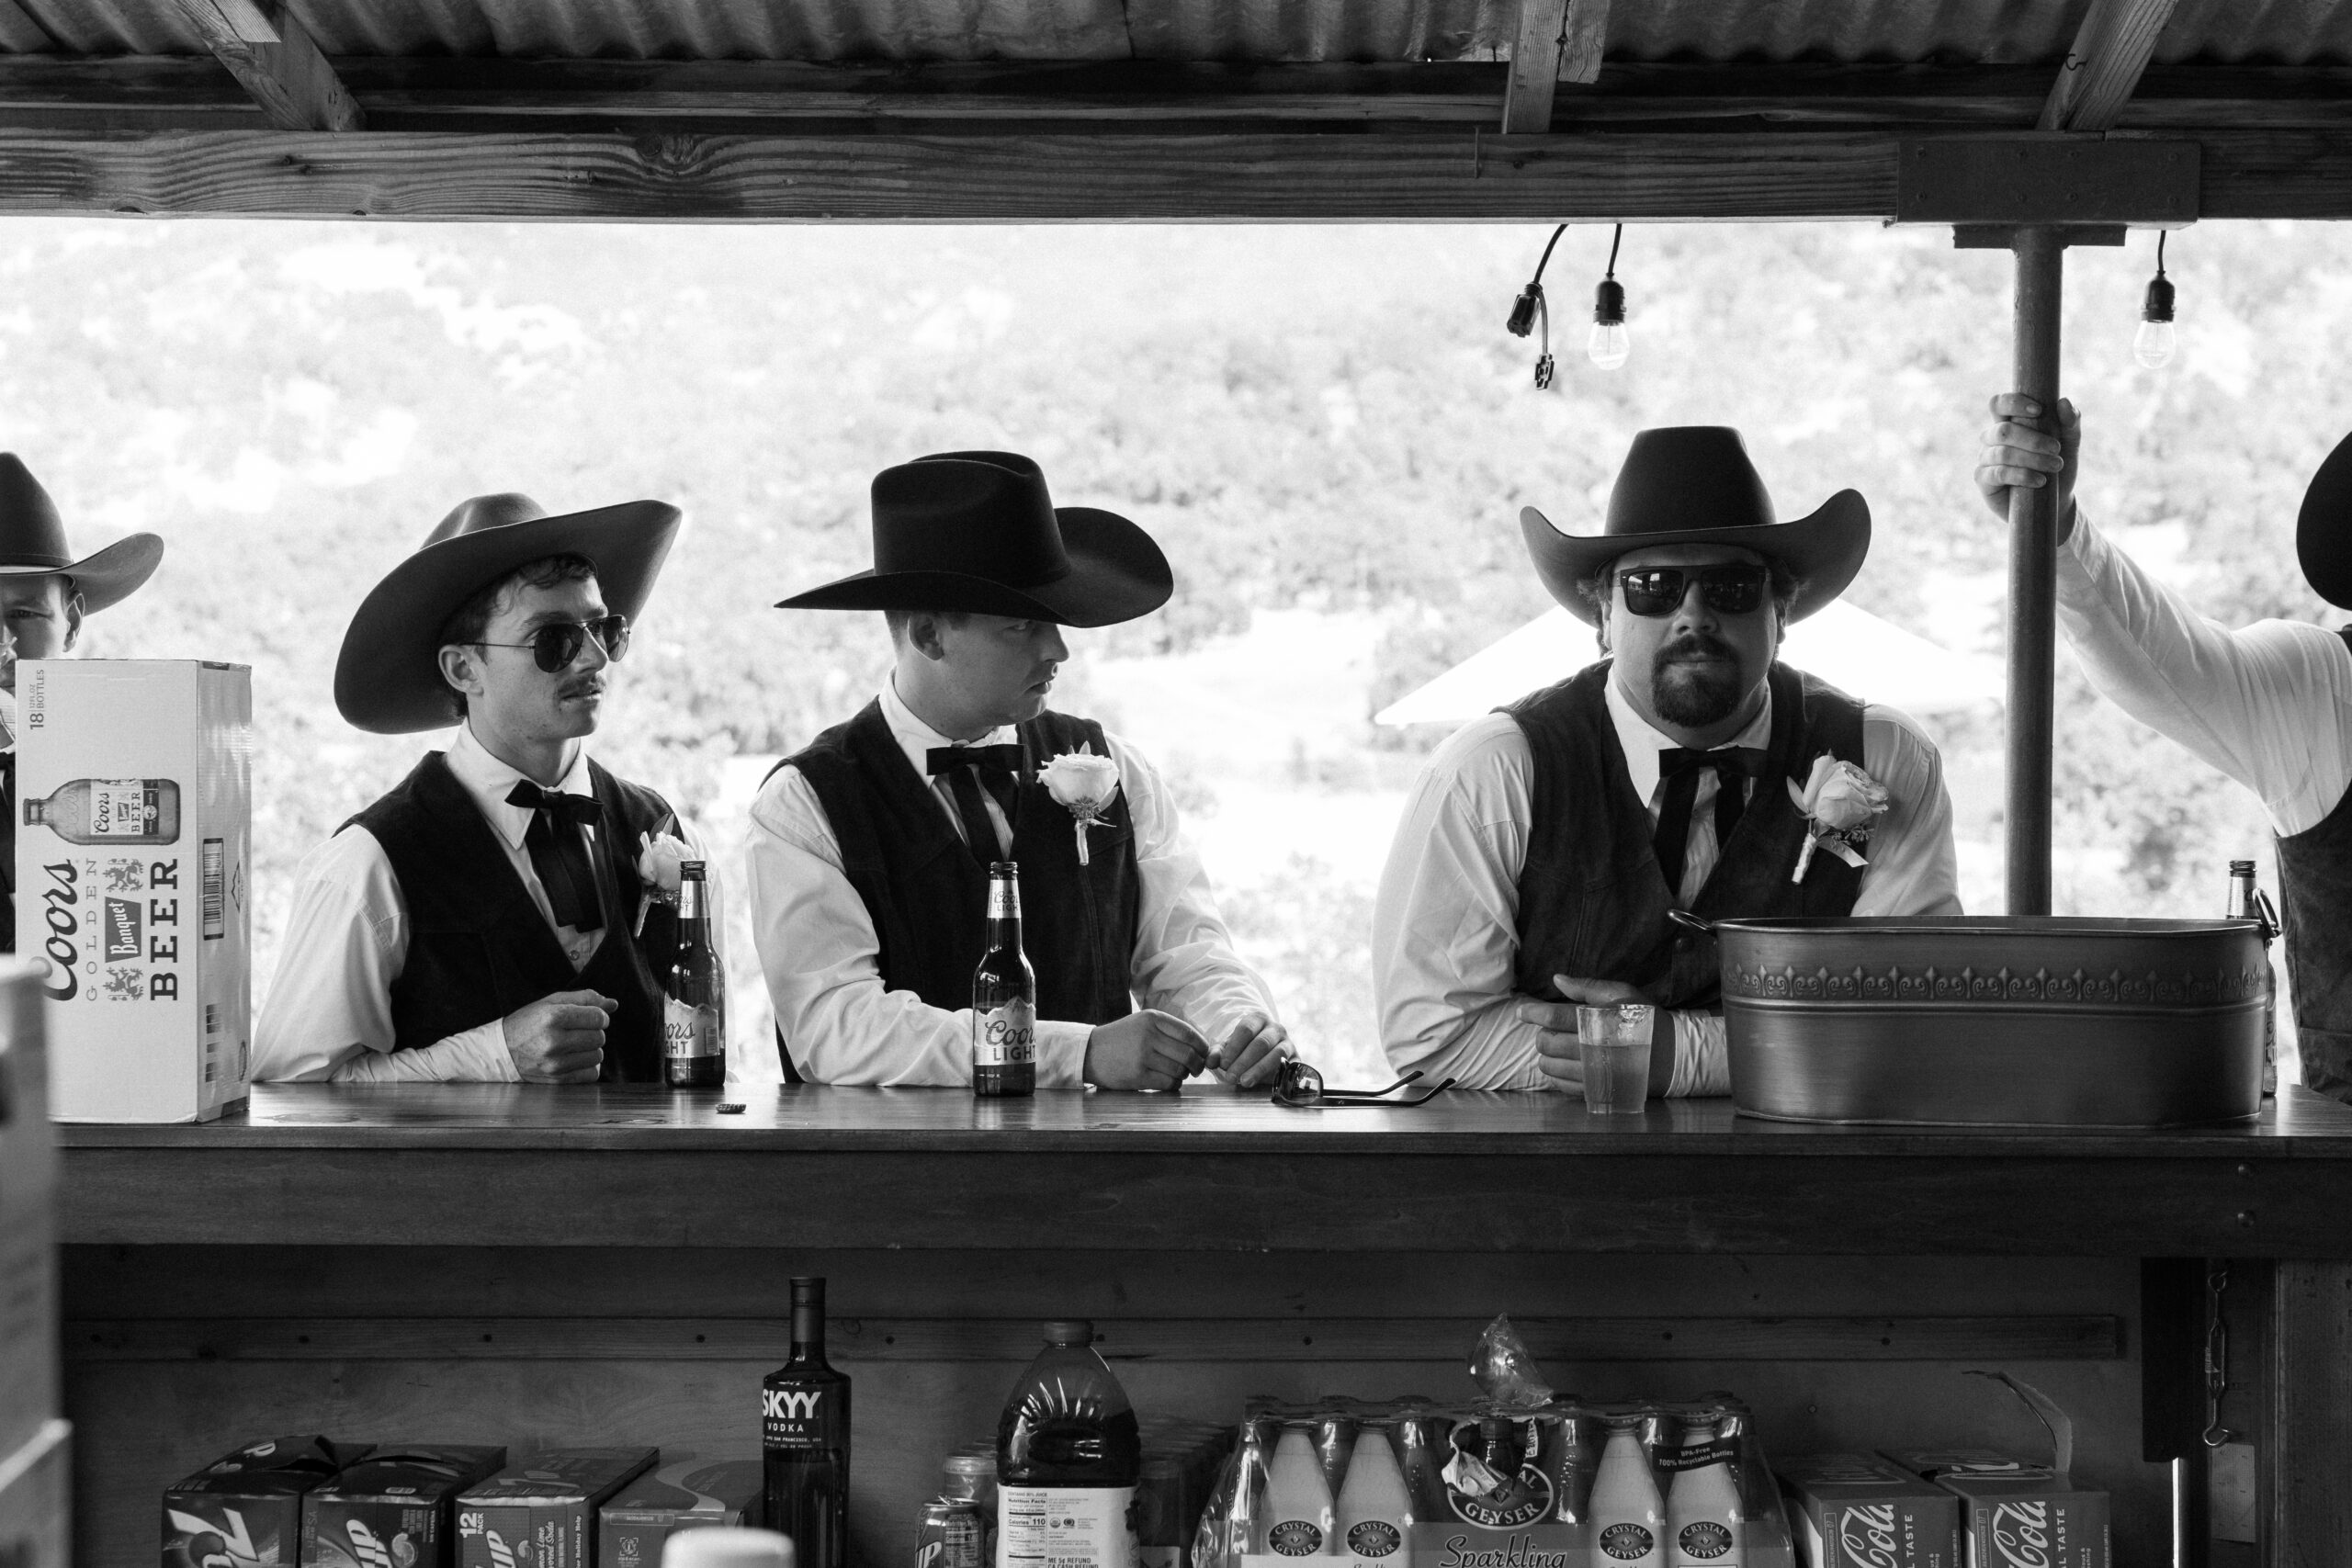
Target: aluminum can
951	1532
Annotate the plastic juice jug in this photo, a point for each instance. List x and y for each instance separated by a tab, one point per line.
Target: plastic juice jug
1374	1515
1299	1500
1067	1458
1628	1515
1702	1522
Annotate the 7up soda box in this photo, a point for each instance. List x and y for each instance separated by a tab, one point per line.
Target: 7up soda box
133	819
396	1508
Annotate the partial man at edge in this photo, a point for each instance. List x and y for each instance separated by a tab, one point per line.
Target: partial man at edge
870	848
44	594
1542	846
493	918
2269	705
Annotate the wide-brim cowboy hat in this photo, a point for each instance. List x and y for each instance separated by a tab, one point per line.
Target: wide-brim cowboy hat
2324	528
32	544
978	531
388	677
1694	485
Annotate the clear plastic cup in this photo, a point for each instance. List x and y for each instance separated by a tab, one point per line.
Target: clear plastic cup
1613	1044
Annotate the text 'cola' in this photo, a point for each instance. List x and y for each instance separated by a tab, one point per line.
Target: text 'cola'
1067	1459
804	1439
1004	997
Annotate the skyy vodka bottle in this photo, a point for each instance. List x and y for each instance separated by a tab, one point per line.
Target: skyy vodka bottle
804	1439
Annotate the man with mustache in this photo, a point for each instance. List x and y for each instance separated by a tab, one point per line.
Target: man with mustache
44	594
1544	845
870	848
488	919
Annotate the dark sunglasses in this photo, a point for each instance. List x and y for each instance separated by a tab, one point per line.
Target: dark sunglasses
1733	589
1300	1086
554	645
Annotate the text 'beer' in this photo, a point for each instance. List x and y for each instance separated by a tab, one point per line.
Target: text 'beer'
693	1019
1004	997
804	1439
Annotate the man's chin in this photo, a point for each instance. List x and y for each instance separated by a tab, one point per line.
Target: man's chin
1693	696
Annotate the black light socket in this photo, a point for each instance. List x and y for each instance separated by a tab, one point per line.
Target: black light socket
2158	305
1609	303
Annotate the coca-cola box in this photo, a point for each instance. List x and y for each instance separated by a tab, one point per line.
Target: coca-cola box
1860	1511
686	1492
395	1508
542	1512
133	813
247	1506
2015	1513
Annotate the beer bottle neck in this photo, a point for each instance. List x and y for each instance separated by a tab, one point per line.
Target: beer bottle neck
691	904
1004	933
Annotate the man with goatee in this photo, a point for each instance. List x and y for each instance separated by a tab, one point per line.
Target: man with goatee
1545	845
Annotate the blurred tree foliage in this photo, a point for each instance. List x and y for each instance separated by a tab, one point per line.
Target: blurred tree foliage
1326	417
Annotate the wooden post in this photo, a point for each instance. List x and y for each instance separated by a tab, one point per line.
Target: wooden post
2033	579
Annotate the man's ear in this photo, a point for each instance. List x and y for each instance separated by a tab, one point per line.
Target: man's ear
923	635
461	668
73	620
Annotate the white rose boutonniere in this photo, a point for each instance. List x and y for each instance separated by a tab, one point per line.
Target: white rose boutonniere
657	867
1843	804
1087	785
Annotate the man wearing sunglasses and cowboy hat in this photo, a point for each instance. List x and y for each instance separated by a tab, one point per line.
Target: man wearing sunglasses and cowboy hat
44	594
870	849
487	920
1543	846
2269	705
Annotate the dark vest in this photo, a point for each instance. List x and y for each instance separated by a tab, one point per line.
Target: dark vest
927	896
1592	899
478	946
2315	906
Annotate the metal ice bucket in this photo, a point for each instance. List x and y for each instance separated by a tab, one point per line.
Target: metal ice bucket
1995	1022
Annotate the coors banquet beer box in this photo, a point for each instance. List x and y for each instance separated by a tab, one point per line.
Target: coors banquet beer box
394	1509
1859	1511
134	822
542	1512
2015	1514
684	1493
247	1506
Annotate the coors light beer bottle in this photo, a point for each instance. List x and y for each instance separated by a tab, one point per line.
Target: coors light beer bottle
1004	997
694	1017
804	1439
2246	904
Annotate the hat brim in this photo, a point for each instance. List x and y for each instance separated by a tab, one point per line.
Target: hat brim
1116	573
108	577
1823	550
388	676
2324	528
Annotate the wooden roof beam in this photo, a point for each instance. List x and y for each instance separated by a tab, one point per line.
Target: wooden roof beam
2110	51
1556	41
273	56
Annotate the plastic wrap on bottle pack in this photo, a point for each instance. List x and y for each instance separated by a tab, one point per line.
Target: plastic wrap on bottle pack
1504	1370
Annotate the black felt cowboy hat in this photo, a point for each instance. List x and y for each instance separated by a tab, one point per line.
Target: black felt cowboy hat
388	677
977	531
32	544
1693	485
2324	528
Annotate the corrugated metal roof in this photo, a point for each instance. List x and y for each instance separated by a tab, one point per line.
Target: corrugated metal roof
2285	32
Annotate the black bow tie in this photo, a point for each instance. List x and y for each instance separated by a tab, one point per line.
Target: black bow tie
1680	769
945	759
559	852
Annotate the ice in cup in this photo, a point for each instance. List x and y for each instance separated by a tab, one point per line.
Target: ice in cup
1613	1044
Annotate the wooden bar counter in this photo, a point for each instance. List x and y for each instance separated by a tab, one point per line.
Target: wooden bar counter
536	1266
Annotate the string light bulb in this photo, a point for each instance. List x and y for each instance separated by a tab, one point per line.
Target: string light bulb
1530	309
1609	343
2152	346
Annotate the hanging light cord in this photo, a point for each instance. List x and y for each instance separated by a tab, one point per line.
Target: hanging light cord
1619	238
2160	252
1530	309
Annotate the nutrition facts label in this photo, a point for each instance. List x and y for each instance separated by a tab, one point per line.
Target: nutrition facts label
1058	1527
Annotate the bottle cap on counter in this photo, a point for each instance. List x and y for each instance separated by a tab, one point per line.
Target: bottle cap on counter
726	1546
1069	1331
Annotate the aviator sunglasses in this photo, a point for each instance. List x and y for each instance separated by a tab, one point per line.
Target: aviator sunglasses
554	645
1301	1088
1732	590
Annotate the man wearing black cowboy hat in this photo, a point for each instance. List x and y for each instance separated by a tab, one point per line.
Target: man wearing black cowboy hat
487	920
44	594
870	849
2269	705
1544	845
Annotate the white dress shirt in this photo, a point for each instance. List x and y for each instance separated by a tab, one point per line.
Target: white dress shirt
1445	930
330	1009
2271	705
822	959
